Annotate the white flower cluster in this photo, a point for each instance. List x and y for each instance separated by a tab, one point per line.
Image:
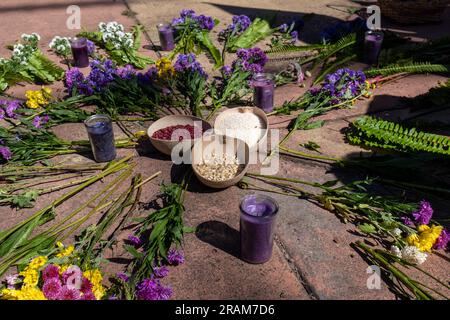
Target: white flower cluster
114	33
412	254
61	45
21	52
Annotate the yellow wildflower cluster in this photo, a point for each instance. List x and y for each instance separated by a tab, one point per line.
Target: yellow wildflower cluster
165	68
29	290
65	252
96	278
38	98
426	237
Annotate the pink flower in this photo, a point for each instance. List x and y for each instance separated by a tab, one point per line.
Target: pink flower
52	289
88	296
72	277
50	272
69	294
86	286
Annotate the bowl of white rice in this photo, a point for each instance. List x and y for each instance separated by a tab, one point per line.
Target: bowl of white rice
249	124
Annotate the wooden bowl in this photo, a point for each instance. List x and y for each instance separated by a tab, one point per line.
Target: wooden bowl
257	111
166	146
224	144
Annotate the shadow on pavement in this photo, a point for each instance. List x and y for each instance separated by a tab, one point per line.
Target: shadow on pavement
220	235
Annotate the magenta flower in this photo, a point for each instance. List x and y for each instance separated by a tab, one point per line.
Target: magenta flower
135	241
40	121
69	294
88	296
50	272
151	289
5	153
123	276
424	214
174	257
86	285
72	277
52	289
443	240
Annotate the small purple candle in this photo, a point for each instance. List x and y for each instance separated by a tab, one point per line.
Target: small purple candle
166	38
263	88
257	226
101	135
80	52
372	46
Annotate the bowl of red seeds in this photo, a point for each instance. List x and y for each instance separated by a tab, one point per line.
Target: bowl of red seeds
173	130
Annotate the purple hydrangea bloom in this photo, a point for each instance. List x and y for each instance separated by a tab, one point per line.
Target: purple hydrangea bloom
161	272
135	241
126	72
6	153
174	257
90	47
424	214
152	289
123	276
188	63
443	240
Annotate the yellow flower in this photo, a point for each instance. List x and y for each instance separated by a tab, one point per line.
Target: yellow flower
165	68
426	238
63	268
26	293
66	252
140	134
31	277
37	262
38	98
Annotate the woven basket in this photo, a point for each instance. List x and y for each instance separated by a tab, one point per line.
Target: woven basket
413	11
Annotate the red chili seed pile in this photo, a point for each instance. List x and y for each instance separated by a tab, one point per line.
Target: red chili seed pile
166	133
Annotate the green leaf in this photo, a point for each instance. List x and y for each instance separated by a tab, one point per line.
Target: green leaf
25	200
206	42
314	125
257	31
367	228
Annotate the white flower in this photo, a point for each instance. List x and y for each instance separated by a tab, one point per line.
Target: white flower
413	255
396	251
38	37
102	26
397	232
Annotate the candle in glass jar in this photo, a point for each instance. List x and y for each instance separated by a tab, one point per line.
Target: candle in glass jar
263	88
101	135
80	52
166	37
372	46
257	227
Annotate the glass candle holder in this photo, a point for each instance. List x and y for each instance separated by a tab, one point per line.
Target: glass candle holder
263	87
372	46
101	135
80	52
166	36
257	226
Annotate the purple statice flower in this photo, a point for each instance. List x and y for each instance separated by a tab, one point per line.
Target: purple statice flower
10	107
407	221
205	22
2	113
239	24
11	280
52	289
252	60
135	241
294	36
174	257
75	80
187	63
226	71
123	276
147	77
443	240
68	294
152	289
424	214
90	47
50	272
187	13
126	72
6	153
314	91
101	73
38	121
160	272
344	84
283	28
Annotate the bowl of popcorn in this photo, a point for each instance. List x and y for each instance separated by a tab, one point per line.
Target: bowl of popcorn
173	130
220	161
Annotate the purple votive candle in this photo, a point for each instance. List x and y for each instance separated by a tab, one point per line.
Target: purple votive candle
101	135
80	52
372	46
166	37
257	226
263	88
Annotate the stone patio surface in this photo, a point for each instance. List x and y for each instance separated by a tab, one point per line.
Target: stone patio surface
312	258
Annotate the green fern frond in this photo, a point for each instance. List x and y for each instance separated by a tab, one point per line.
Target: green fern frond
418	67
293	49
373	132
